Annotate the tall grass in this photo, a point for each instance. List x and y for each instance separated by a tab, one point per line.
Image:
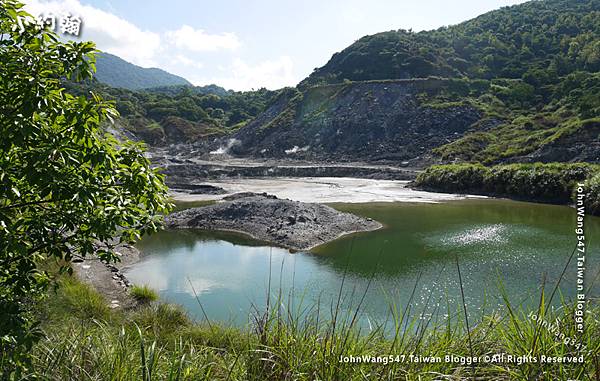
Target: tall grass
143	294
285	342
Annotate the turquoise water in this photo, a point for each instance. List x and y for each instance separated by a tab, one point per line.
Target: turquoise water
505	244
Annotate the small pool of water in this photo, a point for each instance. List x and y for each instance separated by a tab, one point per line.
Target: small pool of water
499	244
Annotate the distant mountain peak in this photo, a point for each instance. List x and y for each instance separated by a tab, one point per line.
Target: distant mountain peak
116	72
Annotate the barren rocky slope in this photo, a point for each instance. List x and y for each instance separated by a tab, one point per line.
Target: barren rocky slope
383	121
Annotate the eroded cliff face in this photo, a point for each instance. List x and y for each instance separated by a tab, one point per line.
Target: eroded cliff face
366	121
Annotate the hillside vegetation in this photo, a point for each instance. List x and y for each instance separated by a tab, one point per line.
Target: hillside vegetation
537	41
518	84
179	114
554	183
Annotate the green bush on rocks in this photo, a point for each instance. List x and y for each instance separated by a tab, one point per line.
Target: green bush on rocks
552	183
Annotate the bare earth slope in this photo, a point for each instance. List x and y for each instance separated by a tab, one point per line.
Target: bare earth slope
381	121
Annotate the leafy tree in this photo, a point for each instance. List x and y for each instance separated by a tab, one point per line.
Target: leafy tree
67	188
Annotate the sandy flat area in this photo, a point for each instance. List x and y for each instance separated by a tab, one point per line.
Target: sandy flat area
325	190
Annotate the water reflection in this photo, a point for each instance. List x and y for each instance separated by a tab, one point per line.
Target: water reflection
518	244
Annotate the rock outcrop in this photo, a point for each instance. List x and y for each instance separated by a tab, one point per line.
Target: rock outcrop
379	121
291	224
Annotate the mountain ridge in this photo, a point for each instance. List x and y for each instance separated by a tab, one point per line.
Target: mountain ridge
117	72
503	43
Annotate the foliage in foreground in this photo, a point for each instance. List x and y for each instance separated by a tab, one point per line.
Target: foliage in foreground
159	342
67	188
534	182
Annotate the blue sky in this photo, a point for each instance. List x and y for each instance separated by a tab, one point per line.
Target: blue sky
249	44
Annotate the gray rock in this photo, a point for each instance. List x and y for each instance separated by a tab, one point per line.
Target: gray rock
291	224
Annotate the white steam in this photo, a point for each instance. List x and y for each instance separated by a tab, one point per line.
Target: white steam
223	150
296	149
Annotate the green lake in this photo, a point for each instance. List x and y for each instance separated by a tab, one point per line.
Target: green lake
505	244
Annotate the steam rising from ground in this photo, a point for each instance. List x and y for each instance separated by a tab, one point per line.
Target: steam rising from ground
223	150
296	149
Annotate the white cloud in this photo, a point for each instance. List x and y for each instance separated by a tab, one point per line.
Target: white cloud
110	32
180	59
352	15
198	40
178	50
272	74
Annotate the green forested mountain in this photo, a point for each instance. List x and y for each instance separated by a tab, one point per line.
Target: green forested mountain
206	90
537	41
117	72
520	83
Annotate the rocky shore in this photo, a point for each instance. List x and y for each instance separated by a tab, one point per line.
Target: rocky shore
107	278
291	224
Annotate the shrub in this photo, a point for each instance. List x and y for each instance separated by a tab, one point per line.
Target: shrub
143	294
67	189
592	196
453	177
552	182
